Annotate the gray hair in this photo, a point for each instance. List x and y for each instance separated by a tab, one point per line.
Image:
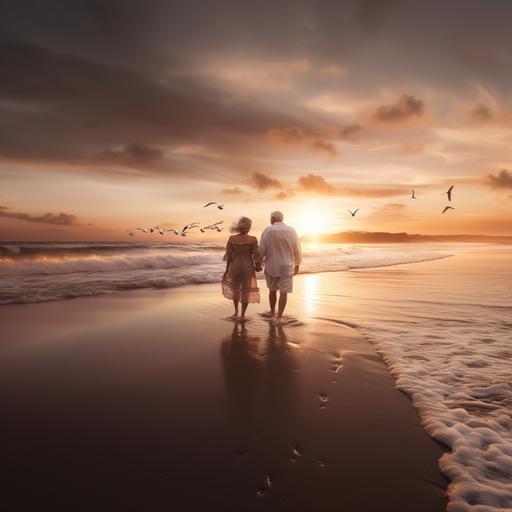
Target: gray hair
242	226
277	216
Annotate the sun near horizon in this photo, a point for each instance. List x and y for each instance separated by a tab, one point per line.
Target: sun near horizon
106	134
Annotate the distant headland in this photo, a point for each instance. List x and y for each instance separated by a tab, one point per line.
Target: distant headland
376	237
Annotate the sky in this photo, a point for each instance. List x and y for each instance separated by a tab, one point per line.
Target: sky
122	114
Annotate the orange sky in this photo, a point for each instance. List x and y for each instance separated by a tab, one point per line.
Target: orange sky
113	118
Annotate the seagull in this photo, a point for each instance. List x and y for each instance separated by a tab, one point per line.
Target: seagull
220	206
159	229
130	232
449	193
174	231
214	226
446	208
188	227
413	195
354	212
144	230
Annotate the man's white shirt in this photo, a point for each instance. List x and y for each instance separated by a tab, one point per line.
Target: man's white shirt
280	249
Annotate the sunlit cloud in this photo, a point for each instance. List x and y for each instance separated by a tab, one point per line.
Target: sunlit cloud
56	219
184	105
405	108
262	182
502	180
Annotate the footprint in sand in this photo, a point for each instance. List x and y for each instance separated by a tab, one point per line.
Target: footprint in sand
268	483
262	490
297	451
323	400
337	363
336	366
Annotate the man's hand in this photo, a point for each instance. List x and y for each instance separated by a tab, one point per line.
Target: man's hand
296	270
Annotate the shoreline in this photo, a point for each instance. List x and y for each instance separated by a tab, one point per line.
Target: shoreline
156	394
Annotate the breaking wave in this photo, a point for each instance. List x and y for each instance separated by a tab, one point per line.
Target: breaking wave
39	272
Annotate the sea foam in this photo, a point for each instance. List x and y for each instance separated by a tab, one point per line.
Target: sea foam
35	272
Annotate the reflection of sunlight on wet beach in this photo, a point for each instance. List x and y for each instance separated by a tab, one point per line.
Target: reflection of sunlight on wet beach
310	293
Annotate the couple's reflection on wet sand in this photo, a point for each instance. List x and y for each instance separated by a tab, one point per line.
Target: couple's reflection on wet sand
261	376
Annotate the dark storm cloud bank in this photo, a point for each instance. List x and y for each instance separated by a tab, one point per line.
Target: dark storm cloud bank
60	107
116	84
56	219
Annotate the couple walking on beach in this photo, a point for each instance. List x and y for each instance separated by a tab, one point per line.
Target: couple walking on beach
279	253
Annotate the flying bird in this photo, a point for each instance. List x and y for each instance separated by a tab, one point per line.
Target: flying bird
413	195
174	231
188	227
130	232
449	193
446	208
192	225
220	206
214	226
354	212
144	230
159	229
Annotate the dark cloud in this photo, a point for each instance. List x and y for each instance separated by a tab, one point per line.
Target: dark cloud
503	180
406	107
297	136
57	219
262	182
82	77
316	184
481	113
59	107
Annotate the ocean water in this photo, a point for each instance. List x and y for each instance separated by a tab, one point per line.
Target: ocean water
442	324
445	330
39	272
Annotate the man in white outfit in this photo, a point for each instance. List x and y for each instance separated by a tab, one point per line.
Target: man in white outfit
281	253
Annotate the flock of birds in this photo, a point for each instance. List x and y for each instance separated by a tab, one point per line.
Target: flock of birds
413	196
188	228
448	193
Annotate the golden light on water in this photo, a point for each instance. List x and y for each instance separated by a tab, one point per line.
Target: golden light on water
310	283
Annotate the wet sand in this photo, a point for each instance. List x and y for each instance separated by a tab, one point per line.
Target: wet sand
152	401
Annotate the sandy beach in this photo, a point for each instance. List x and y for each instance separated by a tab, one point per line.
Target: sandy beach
151	400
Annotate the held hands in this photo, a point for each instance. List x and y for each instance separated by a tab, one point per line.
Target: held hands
296	270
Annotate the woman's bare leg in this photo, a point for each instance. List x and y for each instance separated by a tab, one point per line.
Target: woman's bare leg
235	304
244	309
